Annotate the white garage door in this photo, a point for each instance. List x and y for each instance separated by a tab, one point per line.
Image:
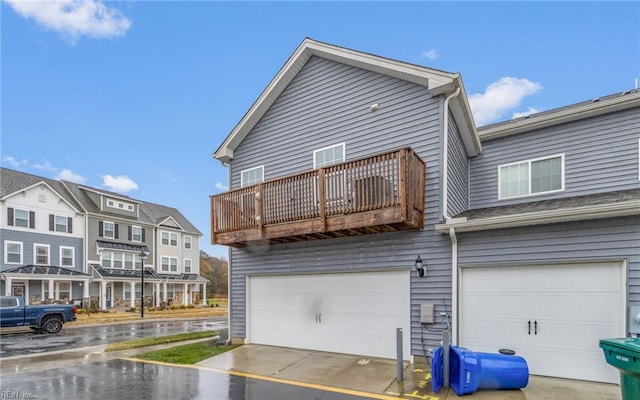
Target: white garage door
552	315
351	313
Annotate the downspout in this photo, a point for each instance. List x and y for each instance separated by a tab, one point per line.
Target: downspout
445	214
228	165
454	286
445	155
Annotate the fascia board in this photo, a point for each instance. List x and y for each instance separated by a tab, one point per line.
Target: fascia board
159	224
562	116
545	217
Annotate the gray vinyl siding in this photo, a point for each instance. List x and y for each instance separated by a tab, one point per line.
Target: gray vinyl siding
601	154
54	241
326	104
458	174
92	235
611	239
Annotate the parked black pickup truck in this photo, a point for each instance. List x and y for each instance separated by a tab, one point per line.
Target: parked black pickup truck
47	318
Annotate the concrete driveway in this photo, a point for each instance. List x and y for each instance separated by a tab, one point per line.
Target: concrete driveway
376	378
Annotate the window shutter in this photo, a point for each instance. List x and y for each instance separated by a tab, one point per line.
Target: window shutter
52	226
100	229
10	216
116	230
32	219
130	234
69	225
142	229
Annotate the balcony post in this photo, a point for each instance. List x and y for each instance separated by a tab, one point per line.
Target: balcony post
402	181
322	199
259	210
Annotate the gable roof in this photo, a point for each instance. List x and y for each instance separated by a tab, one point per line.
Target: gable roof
438	82
573	112
12	182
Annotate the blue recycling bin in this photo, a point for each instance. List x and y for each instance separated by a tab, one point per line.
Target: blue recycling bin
470	371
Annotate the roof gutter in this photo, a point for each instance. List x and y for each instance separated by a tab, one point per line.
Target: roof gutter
621	209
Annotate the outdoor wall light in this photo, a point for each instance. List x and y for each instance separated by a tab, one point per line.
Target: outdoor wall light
421	271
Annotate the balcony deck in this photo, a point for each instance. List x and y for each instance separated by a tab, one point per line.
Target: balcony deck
381	193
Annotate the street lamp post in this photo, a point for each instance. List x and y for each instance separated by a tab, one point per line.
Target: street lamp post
143	256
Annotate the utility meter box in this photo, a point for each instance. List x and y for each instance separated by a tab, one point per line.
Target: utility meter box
426	314
634	319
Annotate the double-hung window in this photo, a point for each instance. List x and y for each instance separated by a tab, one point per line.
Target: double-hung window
187	242
21	218
536	176
328	156
66	256
187	265
41	254
252	176
12	252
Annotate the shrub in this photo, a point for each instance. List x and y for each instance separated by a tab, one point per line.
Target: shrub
173	307
81	311
132	309
183	307
191	306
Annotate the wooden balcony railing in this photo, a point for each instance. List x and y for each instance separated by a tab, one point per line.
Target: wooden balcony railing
381	193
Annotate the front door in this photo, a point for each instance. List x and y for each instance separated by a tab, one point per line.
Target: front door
109	291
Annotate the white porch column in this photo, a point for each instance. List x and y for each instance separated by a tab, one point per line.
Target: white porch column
203	294
7	285
85	289
51	290
133	293
164	291
103	295
157	289
185	296
57	291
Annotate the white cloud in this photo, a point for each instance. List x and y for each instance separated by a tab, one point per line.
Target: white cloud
46	166
169	176
74	18
68	175
529	111
431	54
120	184
500	97
221	186
13	162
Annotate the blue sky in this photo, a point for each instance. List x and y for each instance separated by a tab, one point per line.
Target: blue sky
135	96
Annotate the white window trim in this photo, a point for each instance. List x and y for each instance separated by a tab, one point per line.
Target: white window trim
104	230
6	252
183	265
73	257
162	259
171	235
344	147
177	271
638	159
184	242
133	235
15	212
529	194
260	167
35	253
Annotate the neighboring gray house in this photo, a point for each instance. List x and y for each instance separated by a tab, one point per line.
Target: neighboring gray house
67	242
119	229
349	165
41	231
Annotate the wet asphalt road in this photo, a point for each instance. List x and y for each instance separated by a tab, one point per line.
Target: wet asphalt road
125	379
29	343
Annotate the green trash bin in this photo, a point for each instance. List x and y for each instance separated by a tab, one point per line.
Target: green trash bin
624	354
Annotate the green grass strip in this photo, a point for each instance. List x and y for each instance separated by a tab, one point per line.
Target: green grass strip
186	354
135	343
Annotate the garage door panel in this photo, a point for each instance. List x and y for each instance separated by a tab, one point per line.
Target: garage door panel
355	313
574	306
